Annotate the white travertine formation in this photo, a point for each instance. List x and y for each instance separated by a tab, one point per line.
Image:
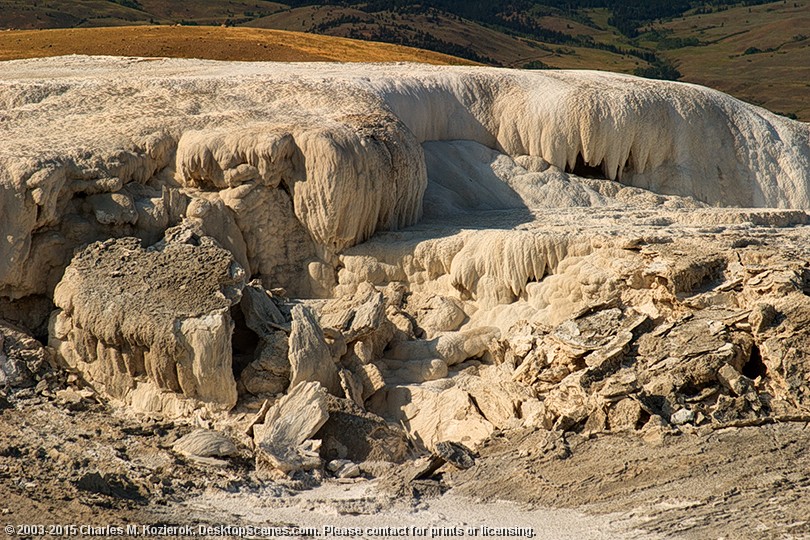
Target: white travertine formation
343	143
468	224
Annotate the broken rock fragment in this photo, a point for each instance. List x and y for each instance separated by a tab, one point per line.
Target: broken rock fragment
358	315
433	412
455	454
343	468
288	424
436	313
260	311
310	357
682	416
626	414
205	443
151	327
21	357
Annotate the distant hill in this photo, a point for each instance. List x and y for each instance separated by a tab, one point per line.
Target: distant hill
210	42
756	50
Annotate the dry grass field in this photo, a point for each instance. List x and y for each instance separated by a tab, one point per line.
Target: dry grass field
213	42
760	54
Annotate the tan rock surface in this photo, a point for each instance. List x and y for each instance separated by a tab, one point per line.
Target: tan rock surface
151	326
292	420
310	358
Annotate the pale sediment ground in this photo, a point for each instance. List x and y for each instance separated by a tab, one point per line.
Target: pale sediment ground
360	511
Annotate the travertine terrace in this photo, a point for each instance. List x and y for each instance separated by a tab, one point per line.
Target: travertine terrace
440	252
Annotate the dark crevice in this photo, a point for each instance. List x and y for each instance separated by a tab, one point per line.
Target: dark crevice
755	367
643	418
285	187
243	342
474	403
586	170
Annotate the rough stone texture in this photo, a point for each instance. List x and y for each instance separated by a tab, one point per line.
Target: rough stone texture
260	311
358	316
433	412
665	295
151	326
499	398
456	454
268	368
310	358
703	358
436	313
328	137
360	327
269	373
292	420
22	358
415	361
436	249
205	443
354	434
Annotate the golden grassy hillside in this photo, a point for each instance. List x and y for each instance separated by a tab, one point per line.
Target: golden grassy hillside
212	42
760	54
488	44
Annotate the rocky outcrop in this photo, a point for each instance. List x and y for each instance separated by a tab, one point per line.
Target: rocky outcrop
268	370
151	327
389	252
706	362
23	359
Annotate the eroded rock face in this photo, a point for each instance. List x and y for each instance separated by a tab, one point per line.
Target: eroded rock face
151	327
451	273
22	358
311	160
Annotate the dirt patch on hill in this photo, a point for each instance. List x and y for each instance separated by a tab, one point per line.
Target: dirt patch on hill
733	482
